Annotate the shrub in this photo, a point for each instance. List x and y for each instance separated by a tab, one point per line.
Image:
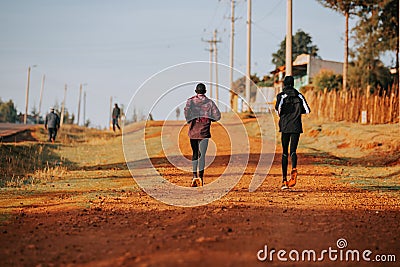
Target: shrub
327	79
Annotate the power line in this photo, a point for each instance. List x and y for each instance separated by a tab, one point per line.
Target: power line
271	12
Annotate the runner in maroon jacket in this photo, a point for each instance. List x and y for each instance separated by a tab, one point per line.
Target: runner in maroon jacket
200	111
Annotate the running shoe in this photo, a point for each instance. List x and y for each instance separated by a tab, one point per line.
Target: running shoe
284	185
293	178
196	182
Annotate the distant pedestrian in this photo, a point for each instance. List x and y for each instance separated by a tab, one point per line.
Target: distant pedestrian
116	113
52	124
290	105
178	113
200	111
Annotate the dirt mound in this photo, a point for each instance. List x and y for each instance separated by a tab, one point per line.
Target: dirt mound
372	145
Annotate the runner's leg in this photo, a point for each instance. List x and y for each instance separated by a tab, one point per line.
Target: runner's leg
294	141
285	138
194	143
203	149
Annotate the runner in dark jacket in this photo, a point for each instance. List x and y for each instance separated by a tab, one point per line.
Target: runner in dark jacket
200	111
290	105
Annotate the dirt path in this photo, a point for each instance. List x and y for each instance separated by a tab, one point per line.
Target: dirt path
100	217
11	132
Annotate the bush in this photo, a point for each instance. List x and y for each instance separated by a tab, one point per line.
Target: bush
327	79
8	112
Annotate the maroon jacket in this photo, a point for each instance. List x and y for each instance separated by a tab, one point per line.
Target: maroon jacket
200	111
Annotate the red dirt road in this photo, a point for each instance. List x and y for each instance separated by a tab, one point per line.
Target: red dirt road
11	132
104	219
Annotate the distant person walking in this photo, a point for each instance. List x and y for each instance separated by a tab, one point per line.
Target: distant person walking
200	111
52	124
116	113
290	105
178	113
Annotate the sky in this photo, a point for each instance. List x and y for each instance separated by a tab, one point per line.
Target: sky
114	48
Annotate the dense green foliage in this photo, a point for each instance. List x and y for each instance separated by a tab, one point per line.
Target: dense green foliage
8	112
301	44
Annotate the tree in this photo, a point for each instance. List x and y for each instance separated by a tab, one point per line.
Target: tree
35	113
327	79
375	33
379	24
301	44
347	8
8	112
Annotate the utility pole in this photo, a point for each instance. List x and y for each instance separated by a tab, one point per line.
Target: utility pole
233	95
211	50
79	103
109	122
63	106
346	52
84	108
289	38
248	68
40	98
215	41
27	95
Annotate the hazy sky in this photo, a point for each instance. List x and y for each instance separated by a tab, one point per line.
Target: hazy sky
115	46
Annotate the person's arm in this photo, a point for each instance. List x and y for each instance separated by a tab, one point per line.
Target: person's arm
57	122
188	111
279	102
215	113
45	122
305	108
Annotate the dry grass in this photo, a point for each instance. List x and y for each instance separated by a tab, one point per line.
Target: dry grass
28	163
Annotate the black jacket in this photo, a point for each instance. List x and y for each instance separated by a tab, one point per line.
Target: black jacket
116	112
52	120
290	104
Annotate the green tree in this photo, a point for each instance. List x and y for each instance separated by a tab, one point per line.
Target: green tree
378	76
301	44
8	112
375	33
327	79
347	8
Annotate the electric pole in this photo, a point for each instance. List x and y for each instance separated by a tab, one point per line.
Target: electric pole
211	50
109	123
84	108
233	95
79	103
40	98
27	93
216	65
289	38
63	106
248	68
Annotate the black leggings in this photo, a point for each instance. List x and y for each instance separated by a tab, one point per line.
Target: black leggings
293	139
199	148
